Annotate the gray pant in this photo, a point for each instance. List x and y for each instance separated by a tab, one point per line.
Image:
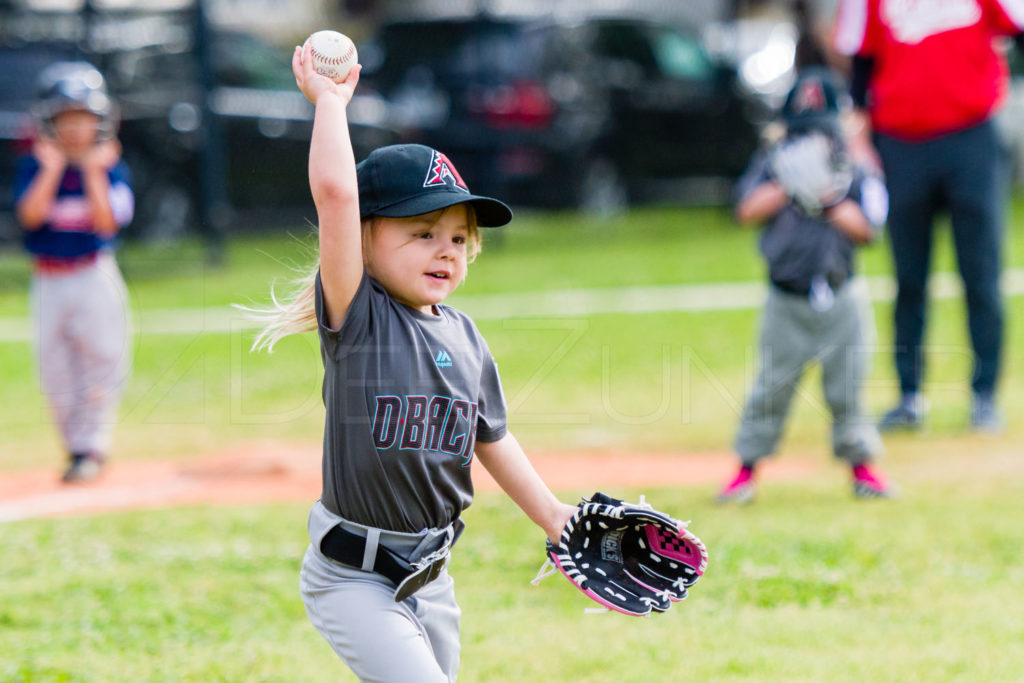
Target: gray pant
83	347
793	334
355	611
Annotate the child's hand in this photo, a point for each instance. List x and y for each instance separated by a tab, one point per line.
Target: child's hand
49	154
565	513
313	85
103	156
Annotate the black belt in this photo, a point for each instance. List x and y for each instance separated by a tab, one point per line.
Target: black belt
348	548
803	289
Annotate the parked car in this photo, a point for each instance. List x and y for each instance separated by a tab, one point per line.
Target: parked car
592	114
265	122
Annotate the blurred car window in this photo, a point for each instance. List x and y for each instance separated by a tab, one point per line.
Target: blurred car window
468	50
622	41
160	68
681	56
241	60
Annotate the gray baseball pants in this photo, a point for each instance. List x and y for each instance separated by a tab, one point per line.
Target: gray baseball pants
83	349
379	639
793	335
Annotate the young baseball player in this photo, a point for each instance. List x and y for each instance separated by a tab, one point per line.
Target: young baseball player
411	395
815	209
72	197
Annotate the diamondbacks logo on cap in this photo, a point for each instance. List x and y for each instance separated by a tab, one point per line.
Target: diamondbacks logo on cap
442	172
810	97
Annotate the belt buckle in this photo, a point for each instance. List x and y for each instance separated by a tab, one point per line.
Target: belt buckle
424	571
821	295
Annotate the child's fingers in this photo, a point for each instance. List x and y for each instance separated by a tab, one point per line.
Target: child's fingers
353	76
307	57
297	63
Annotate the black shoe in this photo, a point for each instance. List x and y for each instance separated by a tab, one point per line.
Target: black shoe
84	467
908	415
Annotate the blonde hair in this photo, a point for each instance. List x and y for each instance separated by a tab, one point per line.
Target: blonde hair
296	313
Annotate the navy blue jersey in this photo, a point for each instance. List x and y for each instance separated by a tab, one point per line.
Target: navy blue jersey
68	231
407	395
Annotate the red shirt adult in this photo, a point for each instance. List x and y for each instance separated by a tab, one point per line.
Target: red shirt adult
937	65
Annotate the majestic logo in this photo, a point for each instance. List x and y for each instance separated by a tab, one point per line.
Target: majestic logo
911	21
442	172
442	359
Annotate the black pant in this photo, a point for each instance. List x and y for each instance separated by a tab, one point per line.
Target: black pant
964	172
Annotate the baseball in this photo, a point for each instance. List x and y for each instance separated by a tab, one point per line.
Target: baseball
334	54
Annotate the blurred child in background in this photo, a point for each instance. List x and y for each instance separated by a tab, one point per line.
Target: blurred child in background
72	197
815	208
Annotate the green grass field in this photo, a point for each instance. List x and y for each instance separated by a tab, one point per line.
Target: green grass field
805	585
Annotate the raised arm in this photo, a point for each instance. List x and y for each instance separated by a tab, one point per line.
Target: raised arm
332	181
507	463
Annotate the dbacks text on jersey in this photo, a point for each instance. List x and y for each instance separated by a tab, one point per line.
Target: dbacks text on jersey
431	423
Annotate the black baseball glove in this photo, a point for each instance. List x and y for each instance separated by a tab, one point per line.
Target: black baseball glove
628	557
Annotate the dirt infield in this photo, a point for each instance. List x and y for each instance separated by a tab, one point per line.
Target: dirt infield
280	472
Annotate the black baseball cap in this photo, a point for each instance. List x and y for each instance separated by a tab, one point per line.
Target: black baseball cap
398	181
815	100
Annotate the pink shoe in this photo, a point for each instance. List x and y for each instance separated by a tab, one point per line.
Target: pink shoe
870	483
741	489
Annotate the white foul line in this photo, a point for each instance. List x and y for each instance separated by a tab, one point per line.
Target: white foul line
725	296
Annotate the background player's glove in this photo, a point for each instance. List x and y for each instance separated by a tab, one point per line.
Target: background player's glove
813	169
628	557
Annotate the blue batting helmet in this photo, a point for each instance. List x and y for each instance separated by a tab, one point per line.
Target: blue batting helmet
74	86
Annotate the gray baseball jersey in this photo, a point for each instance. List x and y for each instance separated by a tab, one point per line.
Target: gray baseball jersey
407	395
798	247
